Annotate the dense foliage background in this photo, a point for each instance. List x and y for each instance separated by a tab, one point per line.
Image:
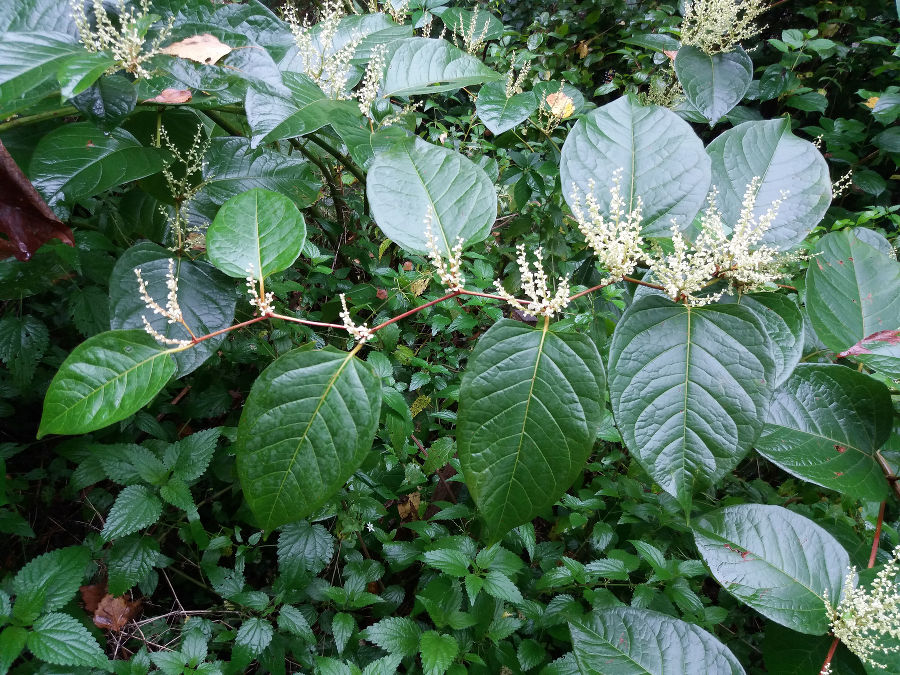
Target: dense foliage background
391	554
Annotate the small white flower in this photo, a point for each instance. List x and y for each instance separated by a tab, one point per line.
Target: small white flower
360	333
172	310
265	303
534	285
449	272
716	26
370	527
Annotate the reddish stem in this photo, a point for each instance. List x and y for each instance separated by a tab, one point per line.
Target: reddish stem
479	294
256	319
874	553
415	309
830	655
306	322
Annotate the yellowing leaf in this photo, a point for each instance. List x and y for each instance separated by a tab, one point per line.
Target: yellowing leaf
204	48
872	102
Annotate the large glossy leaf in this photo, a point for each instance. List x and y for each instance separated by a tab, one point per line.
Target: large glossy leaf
205	295
662	159
308	423
777	562
109	101
501	114
29	59
80	71
420	65
689	388
24	16
304	109
78	160
852	291
257	230
232	167
784	323
632	641
412	176
530	403
105	379
769	150
713	84
825	424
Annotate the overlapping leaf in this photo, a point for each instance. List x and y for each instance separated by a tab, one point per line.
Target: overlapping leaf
307	424
784	323
662	158
29	59
420	65
690	388
529	405
500	113
777	562
713	84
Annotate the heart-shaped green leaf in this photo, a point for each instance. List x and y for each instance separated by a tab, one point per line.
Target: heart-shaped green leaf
308	422
825	424
530	402
690	387
775	561
501	114
713	84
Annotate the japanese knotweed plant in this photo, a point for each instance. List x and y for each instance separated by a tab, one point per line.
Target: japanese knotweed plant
701	368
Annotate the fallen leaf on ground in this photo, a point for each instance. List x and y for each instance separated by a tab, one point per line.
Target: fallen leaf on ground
204	48
114	613
408	507
92	595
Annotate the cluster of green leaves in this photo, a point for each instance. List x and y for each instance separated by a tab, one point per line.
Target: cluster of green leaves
471	490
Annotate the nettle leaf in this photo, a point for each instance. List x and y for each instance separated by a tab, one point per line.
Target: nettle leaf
420	65
135	508
130	560
825	425
78	160
501	114
411	176
342	627
769	150
205	295
105	379
713	84
775	561
660	154
304	548
59	639
257	230
307	425
784	323
530	401
396	635
438	652
23	341
12	642
632	641
303	109
254	636
690	387
852	291
56	576
29	59
232	168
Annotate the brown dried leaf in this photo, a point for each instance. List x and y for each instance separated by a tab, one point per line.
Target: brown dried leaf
114	613
25	218
92	595
171	96
204	48
408	506
671	53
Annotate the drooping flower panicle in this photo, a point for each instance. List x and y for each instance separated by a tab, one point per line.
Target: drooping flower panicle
716	26
360	333
541	302
449	272
172	310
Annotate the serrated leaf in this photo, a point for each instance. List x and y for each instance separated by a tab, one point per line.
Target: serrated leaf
257	230
776	561
105	379
713	84
130	560
501	587
29	59
690	387
134	509
78	160
305	548
501	114
528	404
205	295
663	160
254	635
410	177
769	150
386	665
530	654
178	494
438	652
825	425
307	425
291	620
397	635
56	575
449	561
630	641
342	627
59	639
852	291
420	65
23	341
12	642
189	457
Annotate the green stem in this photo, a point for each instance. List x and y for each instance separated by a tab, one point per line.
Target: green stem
38	117
340	156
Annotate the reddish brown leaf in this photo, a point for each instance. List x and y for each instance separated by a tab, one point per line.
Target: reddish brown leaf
25	219
114	613
92	595
170	96
889	336
408	506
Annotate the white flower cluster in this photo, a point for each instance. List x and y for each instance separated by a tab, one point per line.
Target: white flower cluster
172	310
616	239
126	41
685	271
864	616
472	39
262	303
450	272
534	284
515	82
360	333
327	66
716	26
184	188
842	184
368	92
